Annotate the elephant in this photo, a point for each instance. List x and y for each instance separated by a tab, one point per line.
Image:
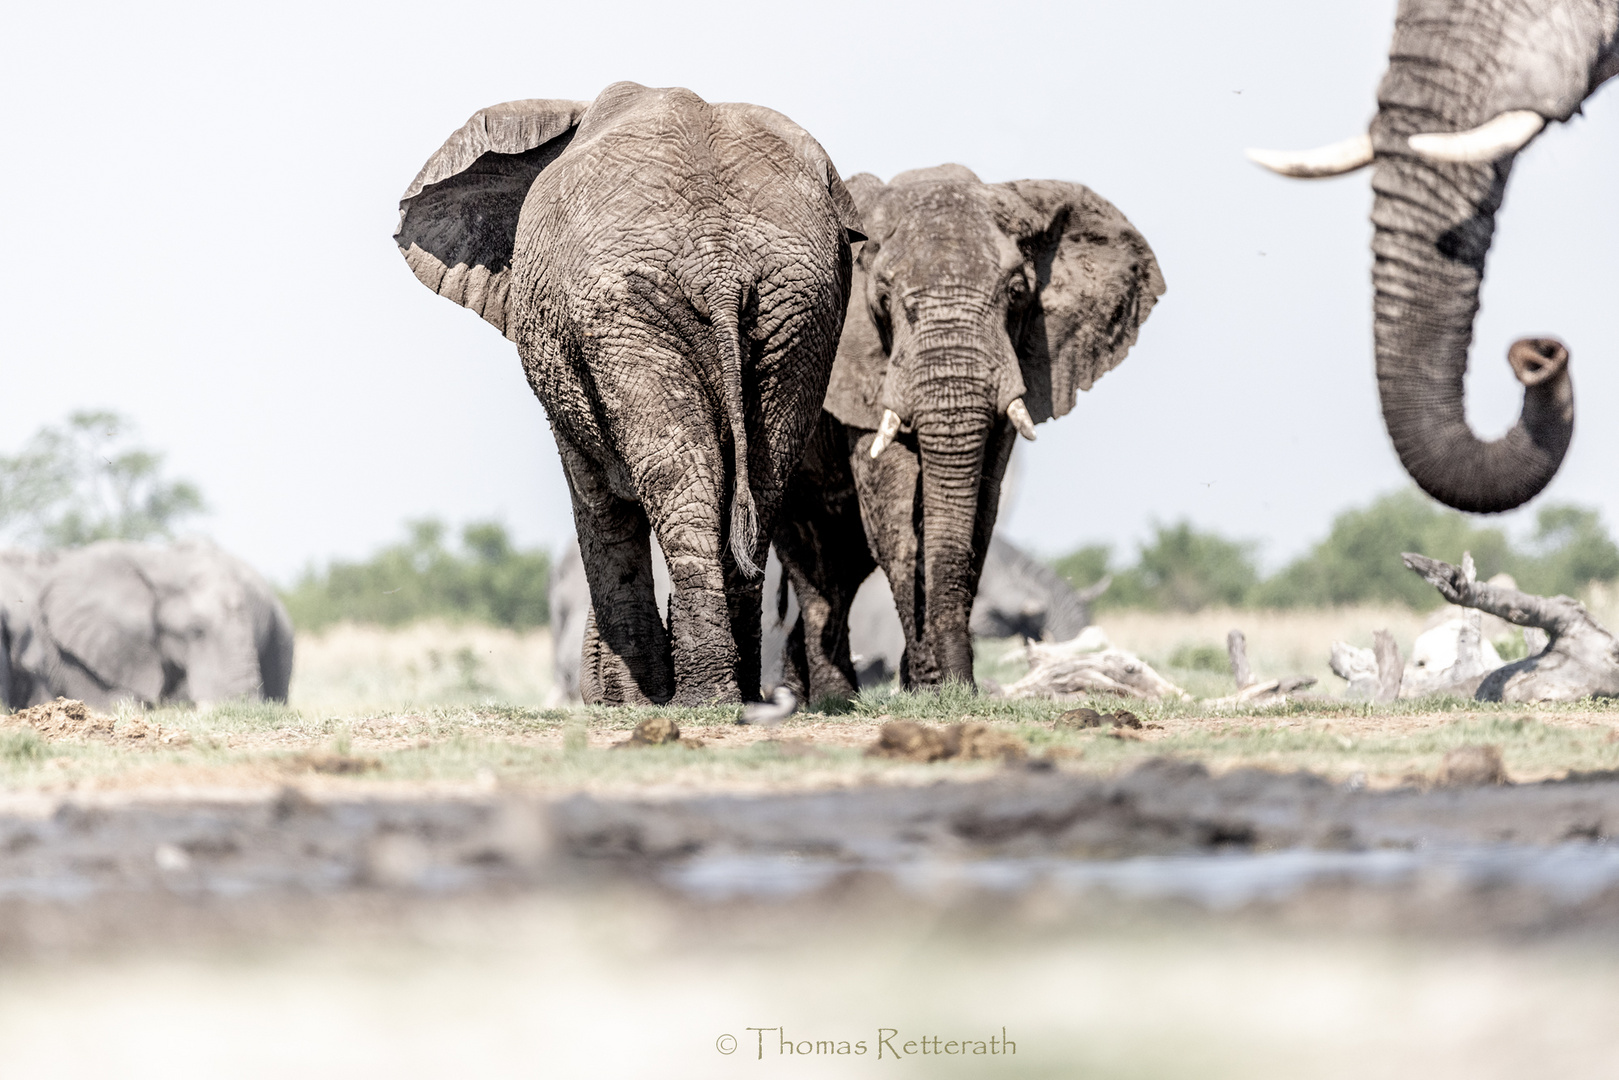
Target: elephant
674	274
116	621
1469	84
23	650
978	311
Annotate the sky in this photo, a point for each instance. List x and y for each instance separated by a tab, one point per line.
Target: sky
201	199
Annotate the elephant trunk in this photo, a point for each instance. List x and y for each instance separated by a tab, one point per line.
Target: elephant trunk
1434	224
952	434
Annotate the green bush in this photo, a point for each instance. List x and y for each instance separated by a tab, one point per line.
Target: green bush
1359	561
1183	569
487	581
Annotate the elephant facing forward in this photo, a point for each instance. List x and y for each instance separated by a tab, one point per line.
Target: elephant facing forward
978	311
1469	84
674	274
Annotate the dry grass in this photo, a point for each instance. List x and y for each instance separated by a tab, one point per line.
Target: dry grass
565	750
352	667
443	706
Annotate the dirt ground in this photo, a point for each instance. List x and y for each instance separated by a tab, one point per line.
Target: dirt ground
425	891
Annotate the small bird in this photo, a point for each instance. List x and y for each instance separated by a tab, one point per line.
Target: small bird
782	704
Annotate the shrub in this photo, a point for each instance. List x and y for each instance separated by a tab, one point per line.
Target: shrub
488	581
86	481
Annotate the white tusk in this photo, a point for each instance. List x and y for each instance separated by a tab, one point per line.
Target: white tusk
1335	160
1506	134
885	432
1019	414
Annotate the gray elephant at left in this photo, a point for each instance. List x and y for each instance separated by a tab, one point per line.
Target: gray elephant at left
674	274
120	621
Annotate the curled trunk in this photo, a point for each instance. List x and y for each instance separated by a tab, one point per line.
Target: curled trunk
1434	225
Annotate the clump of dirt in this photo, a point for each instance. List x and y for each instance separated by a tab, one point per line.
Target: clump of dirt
334	764
980	742
908	740
1089	718
1472	766
656	731
65	718
69	718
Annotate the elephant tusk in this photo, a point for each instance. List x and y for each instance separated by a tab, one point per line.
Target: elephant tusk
1335	160
885	432
1506	134
1019	415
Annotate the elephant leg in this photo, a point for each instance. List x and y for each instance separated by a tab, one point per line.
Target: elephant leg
890	492
626	656
824	552
692	511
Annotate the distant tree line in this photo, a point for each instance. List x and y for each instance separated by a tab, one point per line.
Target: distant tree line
1183	569
85	480
486	580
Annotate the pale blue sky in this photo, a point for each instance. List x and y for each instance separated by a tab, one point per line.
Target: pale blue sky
200	202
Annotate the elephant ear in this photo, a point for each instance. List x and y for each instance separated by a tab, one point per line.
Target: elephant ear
99	611
458	218
854	392
1097	282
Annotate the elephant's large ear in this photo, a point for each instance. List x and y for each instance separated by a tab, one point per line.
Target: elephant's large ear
98	609
854	393
1098	281
458	218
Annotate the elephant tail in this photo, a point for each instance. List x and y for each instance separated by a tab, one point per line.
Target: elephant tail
726	318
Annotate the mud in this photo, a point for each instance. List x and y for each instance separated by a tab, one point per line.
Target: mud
1166	836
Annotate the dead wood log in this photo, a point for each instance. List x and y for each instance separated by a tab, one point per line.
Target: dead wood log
1062	670
1581	658
1359	667
1390	668
1236	647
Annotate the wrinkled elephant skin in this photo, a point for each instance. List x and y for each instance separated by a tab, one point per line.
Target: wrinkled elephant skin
674	274
978	311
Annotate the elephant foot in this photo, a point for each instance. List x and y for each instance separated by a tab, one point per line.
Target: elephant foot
605	678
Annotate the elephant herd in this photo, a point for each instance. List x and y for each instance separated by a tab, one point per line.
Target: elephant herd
738	350
677	277
736	347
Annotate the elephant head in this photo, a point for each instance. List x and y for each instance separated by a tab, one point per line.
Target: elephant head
1469	84
978	308
183	623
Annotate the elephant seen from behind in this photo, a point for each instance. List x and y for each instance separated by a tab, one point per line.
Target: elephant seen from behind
674	275
978	311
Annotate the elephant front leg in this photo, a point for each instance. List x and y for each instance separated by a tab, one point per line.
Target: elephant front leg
891	511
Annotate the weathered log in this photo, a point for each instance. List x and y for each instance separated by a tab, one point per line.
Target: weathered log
1581	658
1063	670
1360	667
1390	668
1236	647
